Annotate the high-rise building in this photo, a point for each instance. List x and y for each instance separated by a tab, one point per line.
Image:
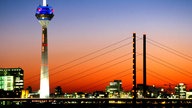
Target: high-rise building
180	91
44	15
114	88
58	91
11	82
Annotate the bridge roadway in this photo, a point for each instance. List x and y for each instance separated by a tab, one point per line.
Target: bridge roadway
92	102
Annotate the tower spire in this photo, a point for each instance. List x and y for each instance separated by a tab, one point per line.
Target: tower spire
44	3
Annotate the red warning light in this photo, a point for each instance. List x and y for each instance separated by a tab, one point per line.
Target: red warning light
44	44
52	10
39	9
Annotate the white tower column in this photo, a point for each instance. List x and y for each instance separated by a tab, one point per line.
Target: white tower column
44	81
44	14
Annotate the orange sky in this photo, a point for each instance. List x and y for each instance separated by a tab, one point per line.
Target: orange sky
94	72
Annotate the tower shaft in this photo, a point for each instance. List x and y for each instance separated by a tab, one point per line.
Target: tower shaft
144	67
44	81
44	14
134	69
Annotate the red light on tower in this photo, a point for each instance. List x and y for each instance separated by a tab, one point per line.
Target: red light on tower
52	10
39	9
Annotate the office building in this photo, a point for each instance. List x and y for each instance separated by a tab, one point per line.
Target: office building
180	91
115	88
11	82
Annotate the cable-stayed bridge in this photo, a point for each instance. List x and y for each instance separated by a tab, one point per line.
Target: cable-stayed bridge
115	61
94	67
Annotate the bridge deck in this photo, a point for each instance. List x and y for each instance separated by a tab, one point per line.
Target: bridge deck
97	102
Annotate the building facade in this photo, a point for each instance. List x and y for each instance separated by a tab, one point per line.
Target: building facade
180	91
11	82
114	89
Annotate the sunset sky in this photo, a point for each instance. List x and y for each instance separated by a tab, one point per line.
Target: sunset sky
90	42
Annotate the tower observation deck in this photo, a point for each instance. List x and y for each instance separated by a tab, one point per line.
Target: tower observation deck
44	14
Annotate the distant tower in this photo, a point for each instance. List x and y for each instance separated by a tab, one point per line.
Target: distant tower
44	14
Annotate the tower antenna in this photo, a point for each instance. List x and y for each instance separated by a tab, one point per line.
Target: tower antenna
44	3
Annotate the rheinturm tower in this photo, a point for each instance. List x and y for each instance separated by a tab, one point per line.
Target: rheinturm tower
44	15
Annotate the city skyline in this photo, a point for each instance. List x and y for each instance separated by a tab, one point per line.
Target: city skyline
82	26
